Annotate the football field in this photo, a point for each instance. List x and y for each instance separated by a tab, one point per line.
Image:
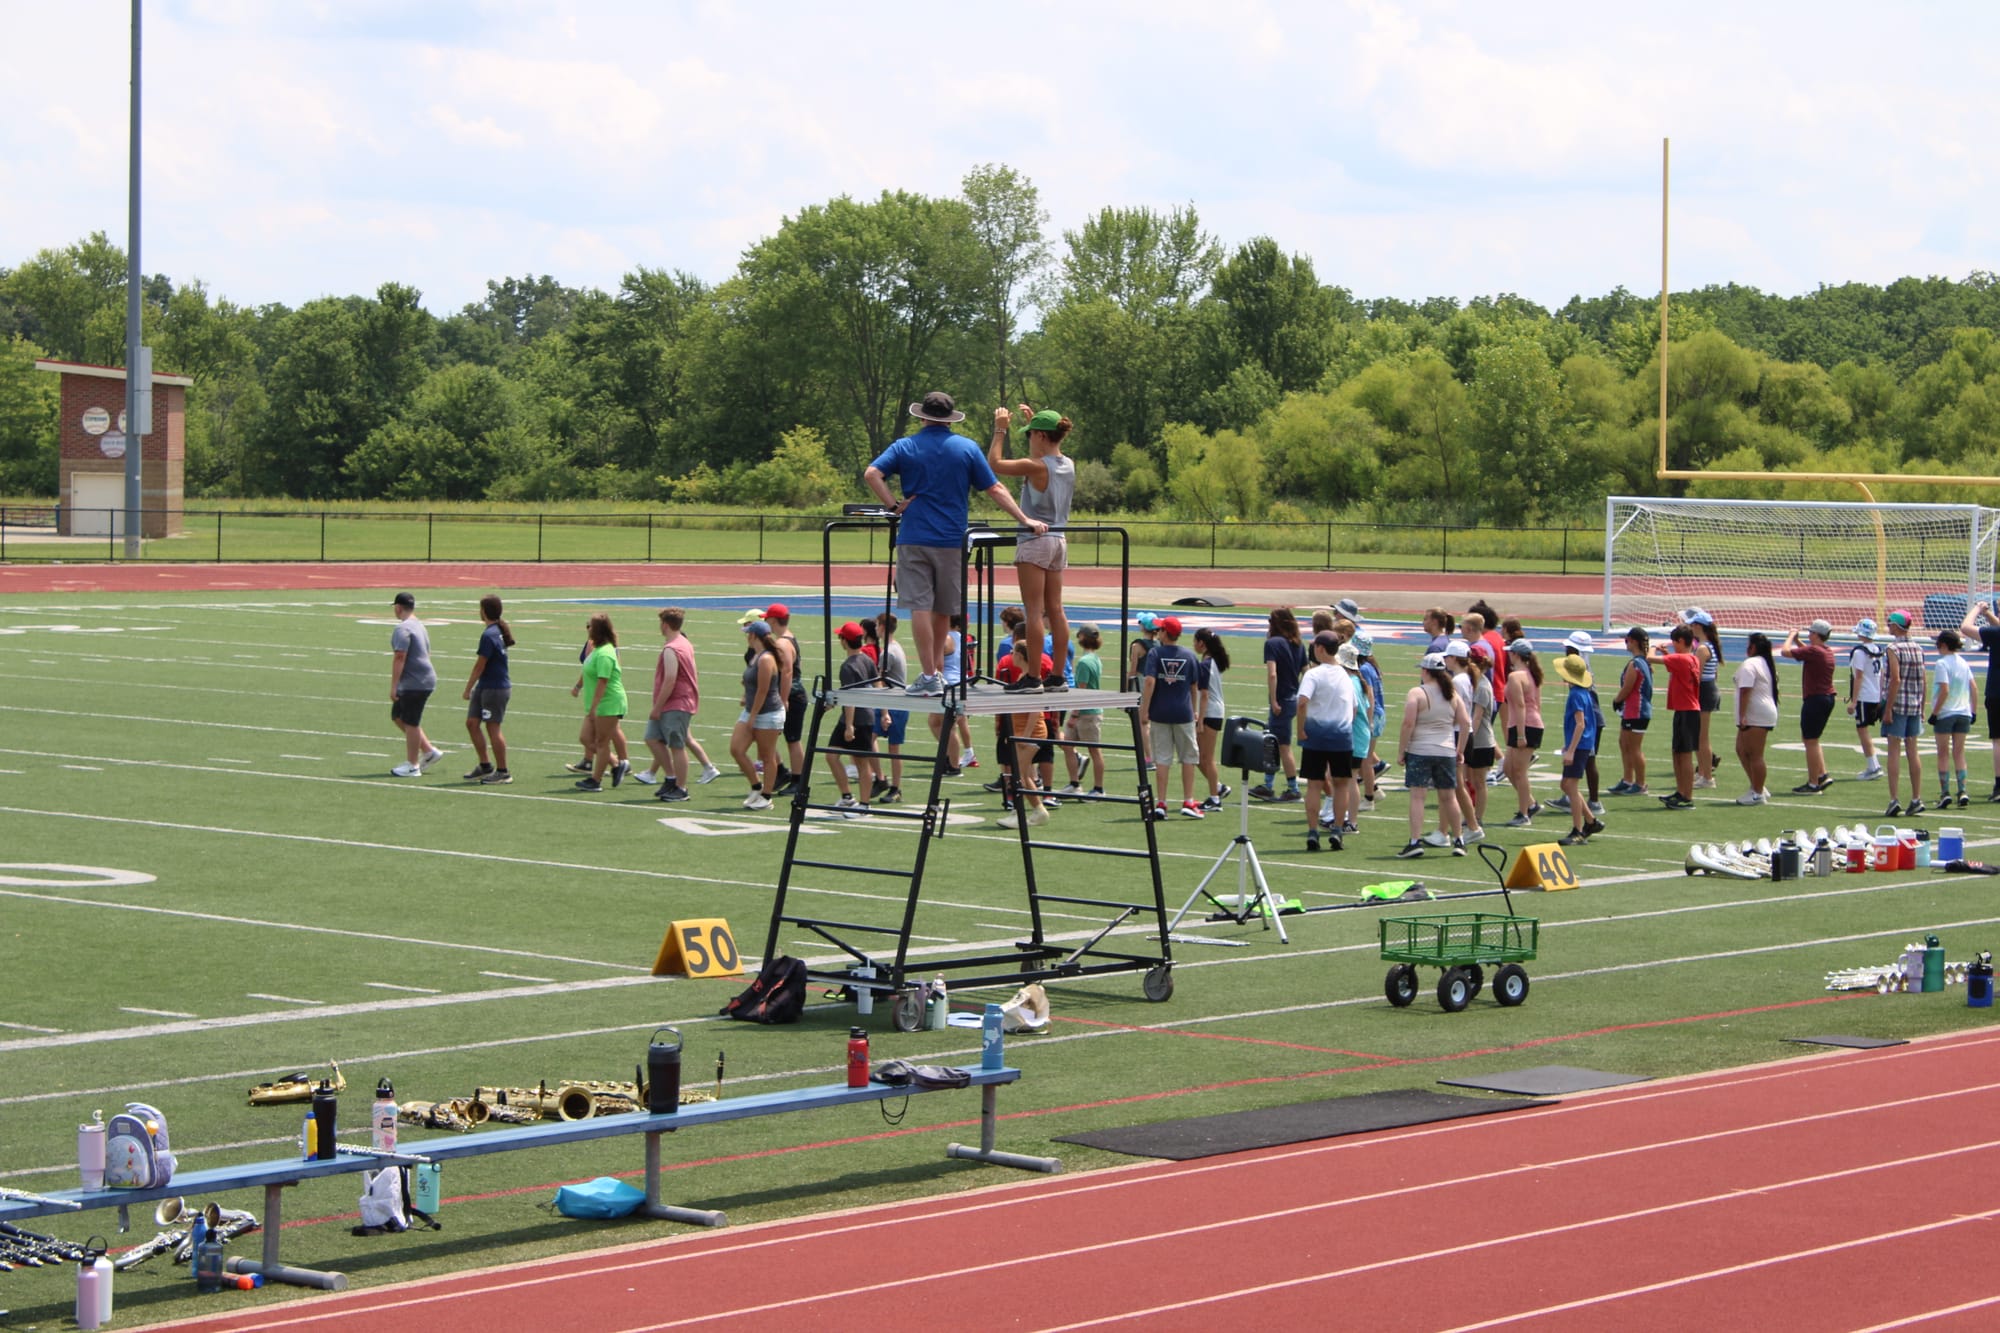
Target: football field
209	879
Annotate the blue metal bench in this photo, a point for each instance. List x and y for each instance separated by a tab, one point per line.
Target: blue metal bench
275	1176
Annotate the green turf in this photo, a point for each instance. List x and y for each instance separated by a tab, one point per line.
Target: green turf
236	749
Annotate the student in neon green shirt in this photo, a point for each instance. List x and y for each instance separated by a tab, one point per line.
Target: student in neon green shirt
606	713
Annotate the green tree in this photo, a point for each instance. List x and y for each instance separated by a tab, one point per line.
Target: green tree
1520	434
75	295
1147	264
1279	316
1007	217
451	442
28	410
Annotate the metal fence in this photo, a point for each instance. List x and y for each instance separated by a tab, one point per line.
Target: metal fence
43	533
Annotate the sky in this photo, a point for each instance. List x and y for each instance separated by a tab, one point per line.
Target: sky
299	148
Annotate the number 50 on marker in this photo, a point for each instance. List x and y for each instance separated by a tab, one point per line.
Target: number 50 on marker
703	948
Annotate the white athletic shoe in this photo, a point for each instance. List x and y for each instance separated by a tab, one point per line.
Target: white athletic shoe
1869	774
1437	838
1751	798
1703	784
430	756
756	800
647	776
709	773
404	771
1037	817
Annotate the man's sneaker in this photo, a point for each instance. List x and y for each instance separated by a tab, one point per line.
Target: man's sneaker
1963	800
1333	842
1676	801
876	788
970	759
1290	794
1007	821
1312	842
1703	783
848	808
1806	789
1037	817
1191	810
497	778
477	773
1050	802
589	784
1534	808
1594	807
430	756
1895	808
1576	837
1869	774
953	770
670	792
404	771
1262	791
1367	802
925	686
1751	798
584	765
757	800
1521	821
1473	835
1916	806
1025	685
1458	846
1211	803
1594	827
619	770
1349	827
1437	837
893	796
647	777
1070	789
1619	788
1158	812
1381	767
1495	778
1412	848
1222	791
709	773
1096	794
1559	803
998	784
1825	781
1055	685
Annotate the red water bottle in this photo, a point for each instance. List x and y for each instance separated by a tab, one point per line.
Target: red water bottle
857	1057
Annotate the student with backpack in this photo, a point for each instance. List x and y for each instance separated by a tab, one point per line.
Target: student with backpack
1867	671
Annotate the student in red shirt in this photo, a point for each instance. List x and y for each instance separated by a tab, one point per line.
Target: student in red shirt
1684	702
1816	703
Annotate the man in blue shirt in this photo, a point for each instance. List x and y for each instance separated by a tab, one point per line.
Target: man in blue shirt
938	469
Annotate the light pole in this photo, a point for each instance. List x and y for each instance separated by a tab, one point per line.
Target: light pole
138	363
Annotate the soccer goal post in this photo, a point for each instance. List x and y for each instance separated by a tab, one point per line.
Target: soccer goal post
1778	564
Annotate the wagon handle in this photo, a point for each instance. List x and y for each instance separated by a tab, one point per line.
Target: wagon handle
1499	869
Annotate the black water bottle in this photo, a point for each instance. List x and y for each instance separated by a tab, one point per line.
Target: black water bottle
325	1107
663	1073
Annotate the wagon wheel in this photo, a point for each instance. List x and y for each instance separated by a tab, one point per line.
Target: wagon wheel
1400	985
1477	976
908	1011
1510	984
1159	983
1454	990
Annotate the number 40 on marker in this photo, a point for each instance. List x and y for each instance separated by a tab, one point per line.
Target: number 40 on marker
703	948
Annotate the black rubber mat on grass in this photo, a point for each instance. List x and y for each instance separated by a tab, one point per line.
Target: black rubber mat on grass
1856	1043
1543	1080
1239	1131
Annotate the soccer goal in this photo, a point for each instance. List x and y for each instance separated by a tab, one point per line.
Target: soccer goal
1777	564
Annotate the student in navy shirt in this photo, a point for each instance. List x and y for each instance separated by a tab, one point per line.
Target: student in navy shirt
1984	622
487	691
1170	693
1284	663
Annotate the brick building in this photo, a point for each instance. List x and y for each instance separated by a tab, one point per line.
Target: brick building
92	442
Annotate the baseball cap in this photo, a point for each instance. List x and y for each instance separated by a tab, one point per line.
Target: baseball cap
1901	618
1820	628
1521	646
1581	640
404	599
756	627
1048	419
749	616
850	633
777	611
1169	624
1483	651
1431	661
1694	615
1327	642
1364	645
1458	648
1147	620
1348	607
1865	629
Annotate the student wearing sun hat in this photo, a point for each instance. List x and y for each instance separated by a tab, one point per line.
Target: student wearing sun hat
1867	670
1581	723
1903	714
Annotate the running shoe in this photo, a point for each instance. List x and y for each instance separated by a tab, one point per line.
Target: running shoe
925	687
1411	849
757	800
1594	827
1619	788
1437	837
1594	807
996	786
672	793
647	777
404	771
1262	791
1803	789
478	773
497	778
1869	774
1290	794
1676	801
1222	791
1072	789
1475	835
1963	800
430	756
1757	798
1574	838
893	796
1521	821
1703	783
580	766
1458	846
1916	806
1312	842
1191	810
1895	808
619	770
709	773
1055	685
1025	685
1037	818
1559	803
589	784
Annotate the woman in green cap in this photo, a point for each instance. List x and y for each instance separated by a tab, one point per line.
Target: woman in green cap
1047	487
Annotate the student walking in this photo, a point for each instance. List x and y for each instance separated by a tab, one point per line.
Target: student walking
762	719
1326	733
1581	721
602	684
1284	663
1756	714
1524	727
412	679
1903	700
1953	710
1867	673
1435	724
1214	656
1816	666
675	700
1684	703
1634	706
487	690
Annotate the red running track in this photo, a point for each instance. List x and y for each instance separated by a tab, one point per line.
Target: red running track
1851	1190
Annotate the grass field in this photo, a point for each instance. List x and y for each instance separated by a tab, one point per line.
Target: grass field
297	905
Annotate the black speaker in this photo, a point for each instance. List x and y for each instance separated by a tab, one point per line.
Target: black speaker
1247	746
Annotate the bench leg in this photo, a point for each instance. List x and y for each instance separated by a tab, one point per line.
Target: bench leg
989	1099
273	1271
668	1212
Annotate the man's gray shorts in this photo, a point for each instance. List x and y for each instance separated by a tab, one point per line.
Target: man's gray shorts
669	728
928	578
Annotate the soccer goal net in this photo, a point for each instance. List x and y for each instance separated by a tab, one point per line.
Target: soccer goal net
1778	564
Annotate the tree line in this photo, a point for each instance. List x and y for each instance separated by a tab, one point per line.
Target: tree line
1207	382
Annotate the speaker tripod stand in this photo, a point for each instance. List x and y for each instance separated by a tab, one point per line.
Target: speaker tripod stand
1243	852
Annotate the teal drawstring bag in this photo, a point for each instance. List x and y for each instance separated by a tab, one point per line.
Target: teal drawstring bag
600	1198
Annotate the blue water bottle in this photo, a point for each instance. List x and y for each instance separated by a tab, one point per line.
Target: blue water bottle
990	1054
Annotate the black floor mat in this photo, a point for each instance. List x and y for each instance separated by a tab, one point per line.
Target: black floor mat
1543	1080
1238	1131
1857	1043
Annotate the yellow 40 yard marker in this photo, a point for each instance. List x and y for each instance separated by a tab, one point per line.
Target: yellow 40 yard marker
1542	866
703	948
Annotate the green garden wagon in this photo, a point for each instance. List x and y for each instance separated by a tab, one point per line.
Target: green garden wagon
1463	945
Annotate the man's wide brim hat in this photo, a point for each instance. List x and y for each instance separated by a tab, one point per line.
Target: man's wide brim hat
937	407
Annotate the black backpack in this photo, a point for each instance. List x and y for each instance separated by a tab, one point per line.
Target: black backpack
778	995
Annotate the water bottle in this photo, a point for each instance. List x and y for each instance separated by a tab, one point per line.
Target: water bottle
991	1056
90	1151
940	1011
93	1286
663	1073
864	997
1979	982
427	1189
207	1259
382	1118
1933	964
857	1057
308	1137
325	1110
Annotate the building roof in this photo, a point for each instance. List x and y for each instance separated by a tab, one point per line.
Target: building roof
106	372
